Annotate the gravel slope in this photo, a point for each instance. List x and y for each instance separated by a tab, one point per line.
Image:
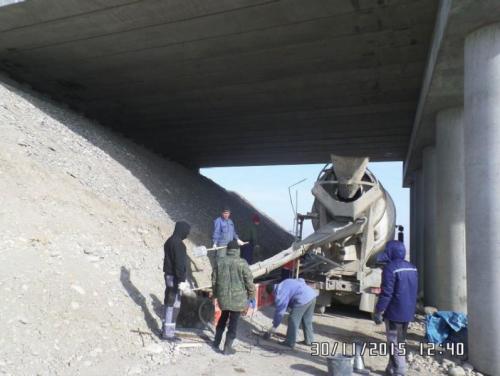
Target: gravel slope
83	216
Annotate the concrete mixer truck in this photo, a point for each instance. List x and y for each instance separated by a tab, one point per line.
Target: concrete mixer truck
353	217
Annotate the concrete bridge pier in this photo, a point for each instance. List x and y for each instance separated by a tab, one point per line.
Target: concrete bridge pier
413	221
420	229
450	212
482	199
416	227
429	227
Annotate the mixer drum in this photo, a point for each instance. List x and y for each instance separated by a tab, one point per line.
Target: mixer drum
342	189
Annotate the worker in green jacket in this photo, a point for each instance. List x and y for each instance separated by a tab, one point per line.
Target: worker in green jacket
232	286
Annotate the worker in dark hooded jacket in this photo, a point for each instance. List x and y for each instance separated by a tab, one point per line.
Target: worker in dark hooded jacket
174	268
397	302
232	286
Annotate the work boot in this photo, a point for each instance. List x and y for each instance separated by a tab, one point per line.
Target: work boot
228	347
389	371
305	343
218	338
285	343
167	335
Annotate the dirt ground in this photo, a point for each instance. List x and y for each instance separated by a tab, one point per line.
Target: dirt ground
256	356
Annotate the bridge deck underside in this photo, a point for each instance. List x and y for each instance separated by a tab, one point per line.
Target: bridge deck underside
231	82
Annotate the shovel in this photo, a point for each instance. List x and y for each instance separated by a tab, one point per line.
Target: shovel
201	250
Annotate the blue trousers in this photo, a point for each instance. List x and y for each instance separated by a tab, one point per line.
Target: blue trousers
172	307
396	334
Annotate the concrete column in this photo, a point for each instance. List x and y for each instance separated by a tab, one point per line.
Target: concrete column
482	195
419	228
429	227
413	221
416	227
450	230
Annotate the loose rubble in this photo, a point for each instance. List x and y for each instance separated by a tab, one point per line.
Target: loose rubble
83	215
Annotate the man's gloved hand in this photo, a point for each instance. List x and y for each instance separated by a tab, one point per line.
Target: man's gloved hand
270	332
184	287
377	318
252	303
240	242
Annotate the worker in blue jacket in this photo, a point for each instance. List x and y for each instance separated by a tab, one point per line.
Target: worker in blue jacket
224	230
397	302
301	299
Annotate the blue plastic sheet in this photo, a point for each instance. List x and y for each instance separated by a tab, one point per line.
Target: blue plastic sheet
443	326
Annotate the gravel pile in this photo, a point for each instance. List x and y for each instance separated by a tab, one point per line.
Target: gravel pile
83	215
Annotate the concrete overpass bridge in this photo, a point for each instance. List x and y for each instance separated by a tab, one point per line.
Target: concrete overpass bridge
231	82
255	82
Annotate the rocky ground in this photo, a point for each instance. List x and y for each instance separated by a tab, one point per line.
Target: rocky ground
83	217
339	325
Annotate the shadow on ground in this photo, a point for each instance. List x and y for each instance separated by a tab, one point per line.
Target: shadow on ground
248	340
188	315
140	300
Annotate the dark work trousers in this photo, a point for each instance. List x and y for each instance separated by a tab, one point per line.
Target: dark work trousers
247	253
285	274
172	303
301	316
232	327
396	334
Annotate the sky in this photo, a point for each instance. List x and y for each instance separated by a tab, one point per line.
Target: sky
266	187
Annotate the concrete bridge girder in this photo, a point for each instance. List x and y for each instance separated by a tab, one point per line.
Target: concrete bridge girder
163	73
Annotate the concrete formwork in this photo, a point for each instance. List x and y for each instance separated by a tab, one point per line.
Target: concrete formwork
450	230
482	202
429	226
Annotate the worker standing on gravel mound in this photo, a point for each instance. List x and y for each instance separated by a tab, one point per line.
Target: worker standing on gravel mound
397	302
232	286
224	230
174	268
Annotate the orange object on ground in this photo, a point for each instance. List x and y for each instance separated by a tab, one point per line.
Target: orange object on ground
217	313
